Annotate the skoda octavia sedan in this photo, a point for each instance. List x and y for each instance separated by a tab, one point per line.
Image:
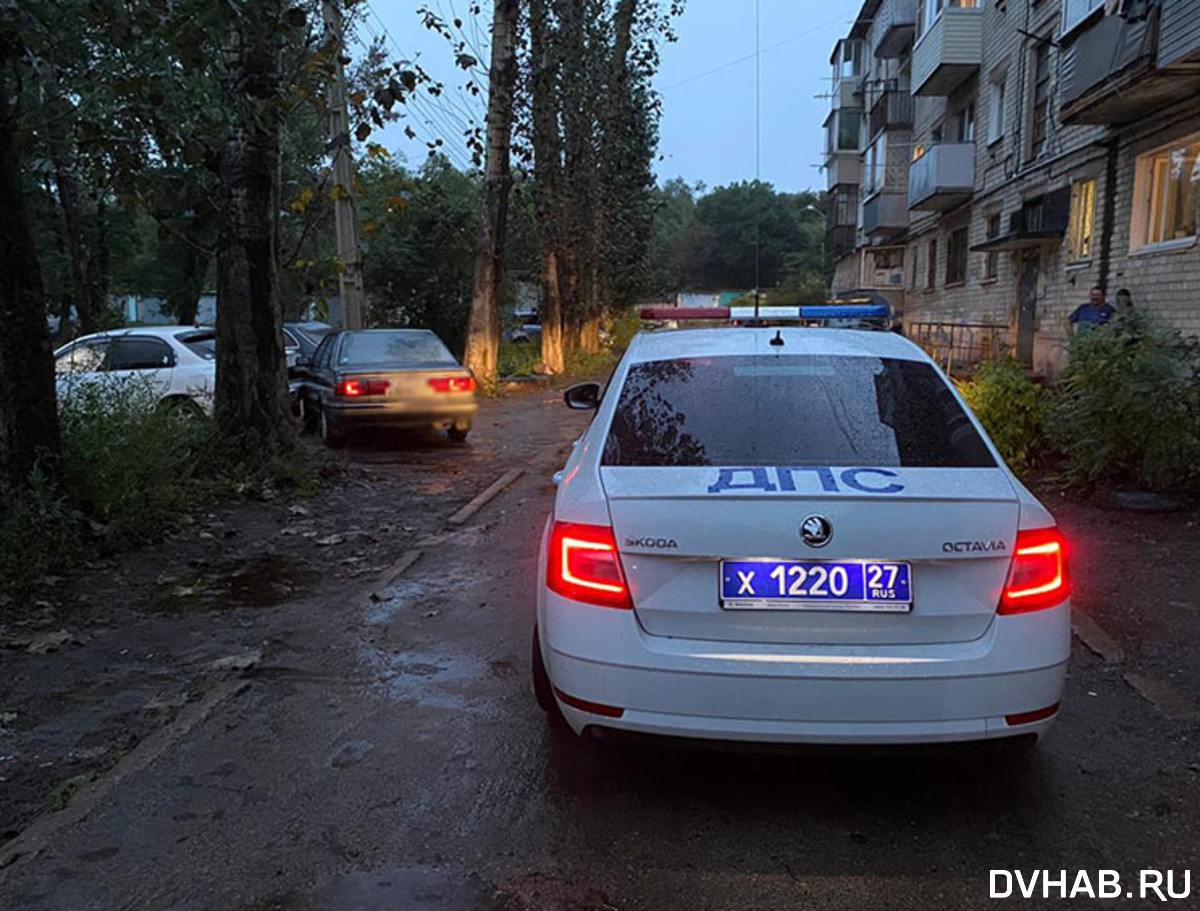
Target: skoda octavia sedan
796	535
401	379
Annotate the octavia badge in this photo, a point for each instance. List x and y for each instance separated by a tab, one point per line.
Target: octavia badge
816	531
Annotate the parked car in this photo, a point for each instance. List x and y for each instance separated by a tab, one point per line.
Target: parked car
175	364
300	339
392	378
796	535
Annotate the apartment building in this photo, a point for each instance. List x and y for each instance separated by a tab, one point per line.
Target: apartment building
1047	146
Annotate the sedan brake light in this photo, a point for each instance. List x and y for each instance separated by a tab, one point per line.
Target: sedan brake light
453	384
1038	577
360	386
583	565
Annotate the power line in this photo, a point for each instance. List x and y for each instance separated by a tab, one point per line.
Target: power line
745	57
472	115
441	132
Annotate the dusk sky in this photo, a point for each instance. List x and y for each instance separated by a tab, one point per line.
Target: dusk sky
706	82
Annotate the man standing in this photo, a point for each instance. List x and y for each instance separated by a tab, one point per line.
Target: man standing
1095	312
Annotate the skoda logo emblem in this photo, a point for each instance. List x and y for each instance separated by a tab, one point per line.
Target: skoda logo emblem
816	531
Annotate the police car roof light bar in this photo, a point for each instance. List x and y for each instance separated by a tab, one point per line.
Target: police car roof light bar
801	312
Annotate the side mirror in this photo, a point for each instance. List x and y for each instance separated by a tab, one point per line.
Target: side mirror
303	360
583	397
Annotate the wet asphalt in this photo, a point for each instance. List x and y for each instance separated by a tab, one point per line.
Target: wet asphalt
388	754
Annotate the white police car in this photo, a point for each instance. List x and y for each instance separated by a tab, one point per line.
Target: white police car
795	535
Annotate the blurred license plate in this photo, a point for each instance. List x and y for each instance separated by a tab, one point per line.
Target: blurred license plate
850	585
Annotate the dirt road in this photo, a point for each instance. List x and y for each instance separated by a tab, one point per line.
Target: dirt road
297	735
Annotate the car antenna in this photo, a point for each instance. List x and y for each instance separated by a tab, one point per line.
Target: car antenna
757	156
777	341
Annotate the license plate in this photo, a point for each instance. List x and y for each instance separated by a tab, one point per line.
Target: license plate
846	585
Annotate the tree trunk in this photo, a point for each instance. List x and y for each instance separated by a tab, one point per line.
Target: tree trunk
483	329
251	394
547	169
28	410
578	103
184	298
80	220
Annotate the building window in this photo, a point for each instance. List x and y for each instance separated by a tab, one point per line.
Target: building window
849	129
931	267
876	177
996	112
1083	220
991	259
1074	12
1041	100
1167	194
956	257
915	270
966	123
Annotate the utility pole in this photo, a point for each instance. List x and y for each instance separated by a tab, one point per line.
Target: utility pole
350	285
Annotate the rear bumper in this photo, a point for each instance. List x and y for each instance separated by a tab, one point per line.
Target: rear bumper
414	414
804	694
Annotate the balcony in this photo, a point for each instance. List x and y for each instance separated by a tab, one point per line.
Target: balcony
942	178
949	52
1117	72
896	24
892	111
840	240
847	93
885	215
843	168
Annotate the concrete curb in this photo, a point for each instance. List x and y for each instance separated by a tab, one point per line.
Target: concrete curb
1095	638
464	514
42	831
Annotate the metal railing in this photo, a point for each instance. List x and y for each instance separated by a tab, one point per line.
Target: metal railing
958	346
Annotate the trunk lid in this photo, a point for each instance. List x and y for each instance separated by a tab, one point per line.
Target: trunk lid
674	525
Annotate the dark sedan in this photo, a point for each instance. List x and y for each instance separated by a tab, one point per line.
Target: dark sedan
389	378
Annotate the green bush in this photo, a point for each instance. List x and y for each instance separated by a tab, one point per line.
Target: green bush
129	471
1012	408
519	358
1129	412
128	465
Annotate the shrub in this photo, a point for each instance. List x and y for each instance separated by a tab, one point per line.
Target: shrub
1129	412
1012	408
519	358
127	464
129	471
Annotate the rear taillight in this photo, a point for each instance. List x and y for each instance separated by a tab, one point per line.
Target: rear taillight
583	565
453	384
360	386
1038	576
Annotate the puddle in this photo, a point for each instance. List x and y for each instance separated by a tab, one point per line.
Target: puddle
428	678
262	582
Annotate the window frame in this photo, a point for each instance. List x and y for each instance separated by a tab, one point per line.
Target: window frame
1069	21
931	265
997	103
991	258
1081	236
958	246
1039	127
1151	201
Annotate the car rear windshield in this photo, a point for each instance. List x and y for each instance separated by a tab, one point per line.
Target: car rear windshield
401	348
791	410
202	344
